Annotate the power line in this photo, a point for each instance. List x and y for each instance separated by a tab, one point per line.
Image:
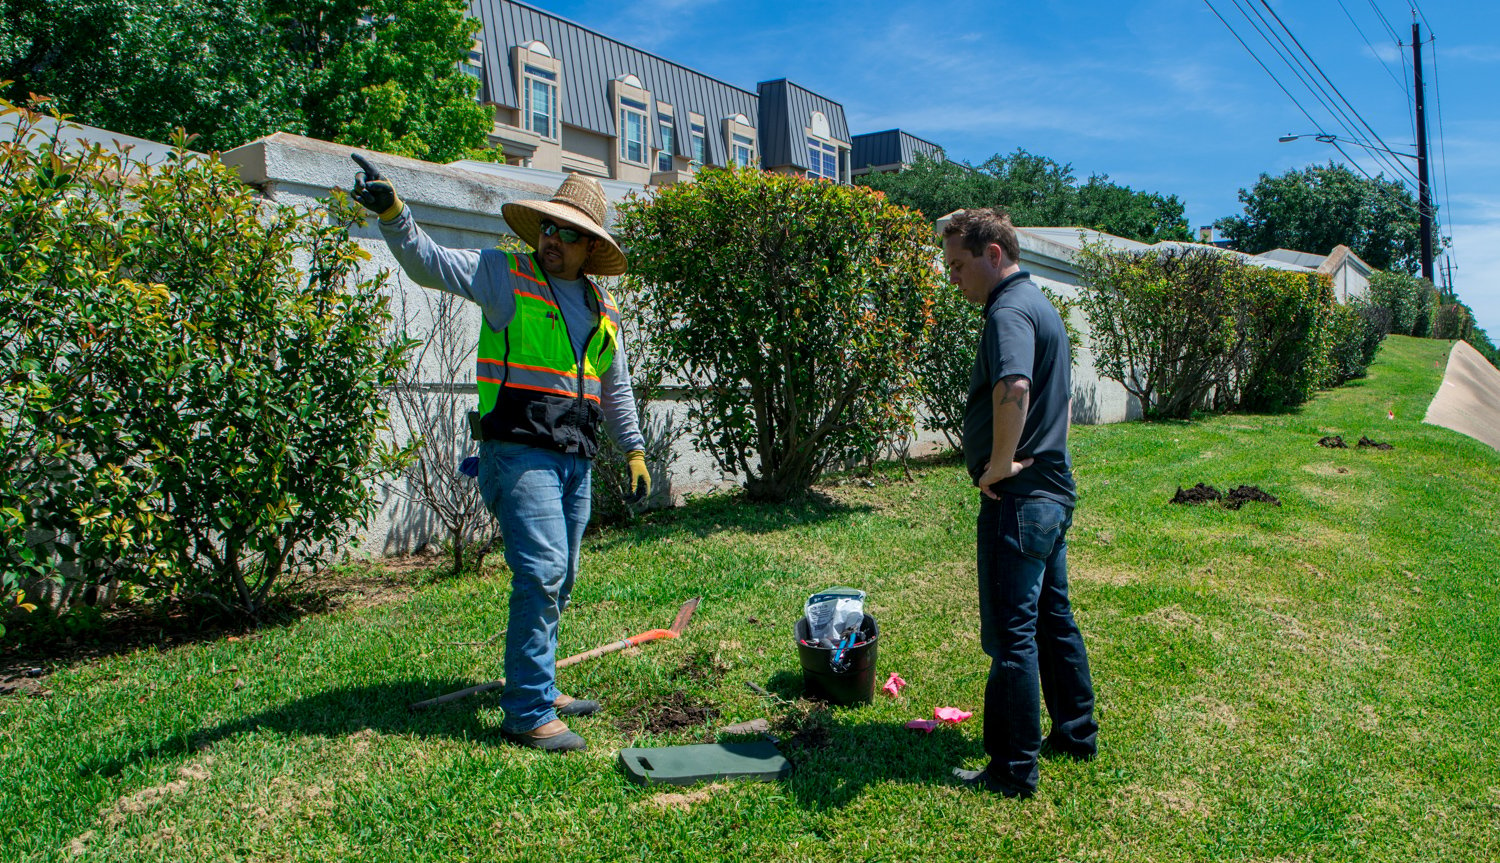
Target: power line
1401	81
1306	79
1417	10
1378	184
1383	20
1334	87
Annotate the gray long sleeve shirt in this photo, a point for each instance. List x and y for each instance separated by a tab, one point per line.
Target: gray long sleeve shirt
482	276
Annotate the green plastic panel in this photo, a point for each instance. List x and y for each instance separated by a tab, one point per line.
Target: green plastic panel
685	765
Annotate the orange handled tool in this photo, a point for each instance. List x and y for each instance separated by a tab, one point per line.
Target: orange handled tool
684	614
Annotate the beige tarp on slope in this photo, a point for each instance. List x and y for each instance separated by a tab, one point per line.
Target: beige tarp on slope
1469	399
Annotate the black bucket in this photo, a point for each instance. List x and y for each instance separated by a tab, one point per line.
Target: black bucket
854	685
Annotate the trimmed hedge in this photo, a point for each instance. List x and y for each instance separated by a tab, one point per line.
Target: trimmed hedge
191	378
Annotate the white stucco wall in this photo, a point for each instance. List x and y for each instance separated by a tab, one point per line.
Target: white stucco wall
459	205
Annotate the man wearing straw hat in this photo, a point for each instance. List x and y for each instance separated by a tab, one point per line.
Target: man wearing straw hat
552	368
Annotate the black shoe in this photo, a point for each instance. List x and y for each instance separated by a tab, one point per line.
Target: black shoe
981	779
1052	750
567	705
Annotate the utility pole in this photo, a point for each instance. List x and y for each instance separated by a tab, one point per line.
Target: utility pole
1424	197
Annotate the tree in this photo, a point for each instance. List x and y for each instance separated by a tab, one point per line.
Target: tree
791	309
1035	191
374	73
1124	212
933	187
1319	207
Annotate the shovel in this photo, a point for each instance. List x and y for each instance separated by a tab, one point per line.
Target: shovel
684	614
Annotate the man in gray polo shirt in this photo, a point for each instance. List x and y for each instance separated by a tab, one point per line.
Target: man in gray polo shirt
1016	447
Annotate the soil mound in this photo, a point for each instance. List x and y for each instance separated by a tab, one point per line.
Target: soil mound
1199	493
1236	498
1366	442
1333	442
1244	494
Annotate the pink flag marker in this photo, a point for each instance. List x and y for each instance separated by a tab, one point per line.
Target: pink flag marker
951	714
922	725
893	684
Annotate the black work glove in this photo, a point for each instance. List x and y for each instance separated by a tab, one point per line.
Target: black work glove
374	191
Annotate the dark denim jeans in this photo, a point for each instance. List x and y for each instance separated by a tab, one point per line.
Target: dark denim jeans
542	500
1026	627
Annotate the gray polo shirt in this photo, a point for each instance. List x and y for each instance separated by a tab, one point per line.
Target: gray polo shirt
1023	335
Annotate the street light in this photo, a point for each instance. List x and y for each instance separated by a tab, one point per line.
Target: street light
1333	139
1424	197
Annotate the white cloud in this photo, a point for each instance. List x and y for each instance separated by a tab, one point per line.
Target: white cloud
1474	53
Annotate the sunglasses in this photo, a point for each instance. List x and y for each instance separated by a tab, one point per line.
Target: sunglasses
567	235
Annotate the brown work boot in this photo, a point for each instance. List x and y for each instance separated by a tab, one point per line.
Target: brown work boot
567	705
552	736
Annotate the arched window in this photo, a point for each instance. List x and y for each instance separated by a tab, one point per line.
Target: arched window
819	126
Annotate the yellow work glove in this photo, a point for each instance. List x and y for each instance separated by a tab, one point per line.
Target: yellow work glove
640	478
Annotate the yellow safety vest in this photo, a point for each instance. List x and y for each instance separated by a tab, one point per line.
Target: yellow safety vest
532	389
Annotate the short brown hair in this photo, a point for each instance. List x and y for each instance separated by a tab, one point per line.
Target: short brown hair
979	228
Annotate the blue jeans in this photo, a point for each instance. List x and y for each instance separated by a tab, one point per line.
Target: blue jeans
541	499
1026	627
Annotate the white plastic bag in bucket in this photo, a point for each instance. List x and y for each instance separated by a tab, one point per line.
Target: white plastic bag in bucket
831	613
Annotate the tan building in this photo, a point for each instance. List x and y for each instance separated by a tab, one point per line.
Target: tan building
567	98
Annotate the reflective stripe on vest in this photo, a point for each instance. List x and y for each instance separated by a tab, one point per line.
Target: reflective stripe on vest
533	352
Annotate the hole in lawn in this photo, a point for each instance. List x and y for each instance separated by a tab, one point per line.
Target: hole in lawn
805	728
673	713
701	666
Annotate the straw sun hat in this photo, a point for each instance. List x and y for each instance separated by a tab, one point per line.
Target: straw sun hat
578	201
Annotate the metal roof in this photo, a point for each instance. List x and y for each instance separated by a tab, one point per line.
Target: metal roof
785	113
590	61
1289	256
891	147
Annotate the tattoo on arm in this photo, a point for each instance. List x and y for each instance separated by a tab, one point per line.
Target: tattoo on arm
1015	390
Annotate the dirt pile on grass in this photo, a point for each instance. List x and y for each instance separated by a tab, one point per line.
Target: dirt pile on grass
1234	499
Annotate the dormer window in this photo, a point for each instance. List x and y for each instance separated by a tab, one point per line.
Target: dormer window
668	129
822	151
538	76
741	137
633	116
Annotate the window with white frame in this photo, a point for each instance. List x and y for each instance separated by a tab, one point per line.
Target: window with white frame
741	138
822	159
698	137
633	131
540	89
744	151
668	138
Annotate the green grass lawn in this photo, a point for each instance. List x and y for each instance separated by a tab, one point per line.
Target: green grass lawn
1310	682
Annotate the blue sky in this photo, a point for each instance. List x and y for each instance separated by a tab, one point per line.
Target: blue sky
1157	94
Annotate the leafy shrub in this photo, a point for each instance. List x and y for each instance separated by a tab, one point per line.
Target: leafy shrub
1452	321
1355	331
1162	322
945	359
1283	318
1184	329
661	431
1401	294
790	309
195	377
